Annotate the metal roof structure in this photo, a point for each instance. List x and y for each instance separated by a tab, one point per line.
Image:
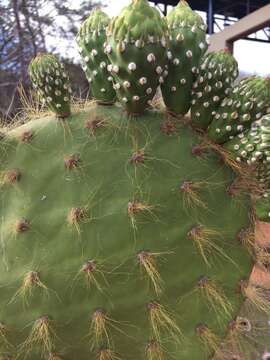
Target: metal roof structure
222	10
233	8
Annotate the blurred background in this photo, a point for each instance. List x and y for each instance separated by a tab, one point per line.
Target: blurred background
28	27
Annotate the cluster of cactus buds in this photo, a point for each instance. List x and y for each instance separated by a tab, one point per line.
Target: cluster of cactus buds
50	79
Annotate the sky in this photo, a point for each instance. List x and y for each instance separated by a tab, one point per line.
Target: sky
253	57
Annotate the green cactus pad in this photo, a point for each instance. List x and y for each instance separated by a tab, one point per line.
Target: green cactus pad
111	229
49	77
252	146
186	46
217	72
137	41
249	101
91	39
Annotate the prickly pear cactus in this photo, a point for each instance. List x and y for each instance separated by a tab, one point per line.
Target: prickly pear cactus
187	44
91	40
250	100
217	72
124	238
51	81
109	233
136	47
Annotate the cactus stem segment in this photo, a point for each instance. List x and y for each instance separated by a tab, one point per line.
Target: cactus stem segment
42	335
154	351
161	321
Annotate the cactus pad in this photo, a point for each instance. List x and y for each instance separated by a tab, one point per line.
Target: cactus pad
187	44
136	46
91	39
109	235
126	238
48	76
249	100
217	72
252	145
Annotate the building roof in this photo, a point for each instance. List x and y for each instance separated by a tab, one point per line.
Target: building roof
234	8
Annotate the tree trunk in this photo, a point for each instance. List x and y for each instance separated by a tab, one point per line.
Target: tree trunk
23	65
29	27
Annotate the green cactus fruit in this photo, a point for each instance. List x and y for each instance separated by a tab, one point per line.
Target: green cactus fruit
249	101
137	41
50	79
253	145
217	72
111	229
91	39
187	45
